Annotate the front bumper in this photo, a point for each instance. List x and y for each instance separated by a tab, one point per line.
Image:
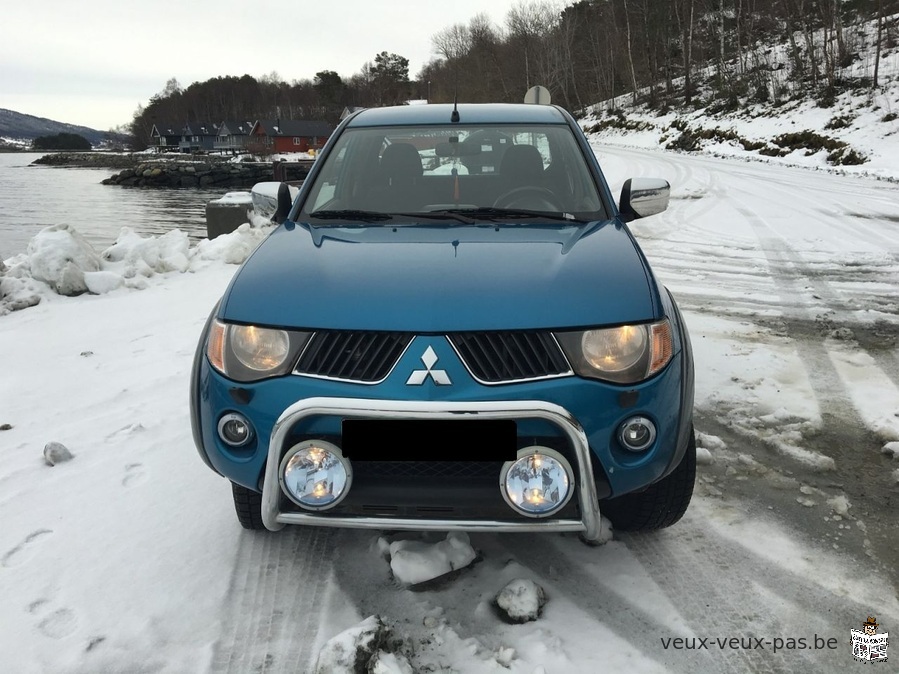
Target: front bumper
275	517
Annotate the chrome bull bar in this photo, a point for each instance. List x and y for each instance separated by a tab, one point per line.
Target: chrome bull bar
274	518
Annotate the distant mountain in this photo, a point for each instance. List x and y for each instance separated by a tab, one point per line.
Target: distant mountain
21	127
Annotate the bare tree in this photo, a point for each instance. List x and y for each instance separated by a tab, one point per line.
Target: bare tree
530	23
683	12
453	42
879	40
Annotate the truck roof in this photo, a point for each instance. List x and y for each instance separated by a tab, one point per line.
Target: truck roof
469	113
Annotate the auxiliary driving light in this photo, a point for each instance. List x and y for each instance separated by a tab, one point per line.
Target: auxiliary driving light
315	475
637	434
235	430
538	483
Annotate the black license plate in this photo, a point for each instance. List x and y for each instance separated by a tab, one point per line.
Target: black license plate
429	440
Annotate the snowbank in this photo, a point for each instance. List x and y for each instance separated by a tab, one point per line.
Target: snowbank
59	261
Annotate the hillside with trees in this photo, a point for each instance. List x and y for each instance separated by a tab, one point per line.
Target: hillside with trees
61	141
595	50
664	53
382	81
25	128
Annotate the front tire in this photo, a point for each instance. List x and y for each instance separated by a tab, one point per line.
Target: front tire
248	506
661	504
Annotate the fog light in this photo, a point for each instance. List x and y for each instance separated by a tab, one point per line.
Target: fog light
538	483
637	434
235	430
315	475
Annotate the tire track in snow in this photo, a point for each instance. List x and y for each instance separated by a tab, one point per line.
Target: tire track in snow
791	276
799	192
863	473
707	610
274	601
753	595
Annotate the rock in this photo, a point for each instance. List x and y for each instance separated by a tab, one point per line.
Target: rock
891	449
171	172
521	600
17	294
842	334
55	452
358	649
224	216
92	159
840	505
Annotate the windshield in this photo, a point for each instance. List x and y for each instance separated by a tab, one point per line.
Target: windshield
448	175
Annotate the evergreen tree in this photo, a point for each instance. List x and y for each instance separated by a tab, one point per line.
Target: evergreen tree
61	141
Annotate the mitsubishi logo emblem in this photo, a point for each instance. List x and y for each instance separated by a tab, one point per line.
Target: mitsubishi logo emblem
418	377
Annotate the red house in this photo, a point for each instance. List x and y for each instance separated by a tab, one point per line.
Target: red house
289	135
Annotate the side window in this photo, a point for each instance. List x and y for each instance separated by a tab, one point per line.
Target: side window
330	182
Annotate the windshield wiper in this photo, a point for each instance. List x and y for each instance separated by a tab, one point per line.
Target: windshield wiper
368	216
440	215
365	216
493	214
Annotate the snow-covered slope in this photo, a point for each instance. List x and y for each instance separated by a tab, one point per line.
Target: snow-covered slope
854	131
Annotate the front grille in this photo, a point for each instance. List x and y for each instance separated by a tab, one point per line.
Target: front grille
353	356
496	357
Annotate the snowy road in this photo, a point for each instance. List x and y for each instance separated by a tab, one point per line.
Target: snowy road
129	558
801	270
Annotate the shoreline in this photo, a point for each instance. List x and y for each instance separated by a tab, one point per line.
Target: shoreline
164	171
67	159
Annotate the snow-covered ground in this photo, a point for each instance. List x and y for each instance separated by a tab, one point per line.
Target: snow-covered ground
128	557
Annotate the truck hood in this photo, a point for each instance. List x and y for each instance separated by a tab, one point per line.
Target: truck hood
437	279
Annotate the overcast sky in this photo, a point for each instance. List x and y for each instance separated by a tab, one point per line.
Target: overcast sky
92	62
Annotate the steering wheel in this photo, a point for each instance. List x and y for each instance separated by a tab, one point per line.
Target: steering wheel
530	198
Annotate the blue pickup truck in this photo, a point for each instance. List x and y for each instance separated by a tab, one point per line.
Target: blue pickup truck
451	328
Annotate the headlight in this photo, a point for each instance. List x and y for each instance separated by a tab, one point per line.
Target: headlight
249	352
614	350
624	355
260	349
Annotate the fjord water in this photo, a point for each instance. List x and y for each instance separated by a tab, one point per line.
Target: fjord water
34	197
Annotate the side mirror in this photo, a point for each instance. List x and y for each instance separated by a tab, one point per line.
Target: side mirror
642	197
285	201
267	199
